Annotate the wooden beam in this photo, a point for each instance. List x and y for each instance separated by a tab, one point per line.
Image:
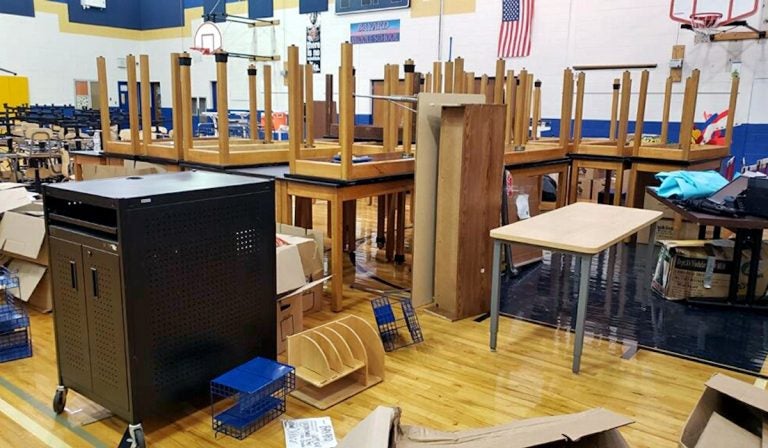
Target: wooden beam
626	93
566	110
498	83
526	129
738	35
222	105
185	63
106	123
267	103
394	126
295	102
484	85
520	108
536	110
347	111
511	91
330	111
253	105
469	82
448	77
614	109
428	83
614	67
133	100
146	104
678	52
177	106
410	70
578	127
387	143
665	111
458	75
732	113
309	109
640	120
437	77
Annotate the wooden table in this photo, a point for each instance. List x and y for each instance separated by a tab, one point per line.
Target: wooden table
288	188
537	169
607	163
748	230
583	230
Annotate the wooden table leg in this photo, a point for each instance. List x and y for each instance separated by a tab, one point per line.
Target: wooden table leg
303	213
573	191
390	243
562	191
400	231
350	226
634	188
381	217
337	253
619	186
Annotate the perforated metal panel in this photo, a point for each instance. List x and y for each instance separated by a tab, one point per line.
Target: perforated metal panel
66	267
103	292
207	282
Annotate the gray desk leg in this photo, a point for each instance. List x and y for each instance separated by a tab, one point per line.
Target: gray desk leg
581	313
495	286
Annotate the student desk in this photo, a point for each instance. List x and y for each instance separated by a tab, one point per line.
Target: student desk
582	229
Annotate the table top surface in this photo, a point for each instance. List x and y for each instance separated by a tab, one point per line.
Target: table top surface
583	227
708	219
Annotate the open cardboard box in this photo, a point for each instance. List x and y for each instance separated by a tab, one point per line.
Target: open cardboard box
730	413
34	285
22	234
13	196
596	428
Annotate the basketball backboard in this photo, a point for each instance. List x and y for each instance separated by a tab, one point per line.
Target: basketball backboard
728	11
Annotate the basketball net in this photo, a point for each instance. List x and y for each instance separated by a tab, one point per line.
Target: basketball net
705	24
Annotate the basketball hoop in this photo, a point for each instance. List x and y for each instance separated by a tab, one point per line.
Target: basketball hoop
208	39
706	23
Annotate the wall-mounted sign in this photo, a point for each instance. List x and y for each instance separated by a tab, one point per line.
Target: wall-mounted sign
375	32
351	6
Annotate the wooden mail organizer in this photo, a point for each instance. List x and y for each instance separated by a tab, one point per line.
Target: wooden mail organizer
385	160
336	361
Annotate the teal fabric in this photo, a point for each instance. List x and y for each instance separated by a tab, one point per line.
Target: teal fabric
690	184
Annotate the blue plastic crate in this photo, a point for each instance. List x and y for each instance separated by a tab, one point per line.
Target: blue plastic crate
249	396
8	279
12	316
389	324
15	345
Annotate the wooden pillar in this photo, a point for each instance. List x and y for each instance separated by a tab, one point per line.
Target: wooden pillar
578	126
185	63
448	77
394	126
106	122
437	77
295	102
510	99
626	92
387	143
614	110
458	75
469	82
665	111
177	106
309	94
347	114
498	83
640	120
527	109
133	100
520	109
484	86
146	104
267	103
330	111
566	110
409	69
253	105
731	111
536	110
222	105
428	83
689	111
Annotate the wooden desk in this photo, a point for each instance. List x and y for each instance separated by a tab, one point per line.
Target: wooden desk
80	158
749	232
581	229
560	166
642	172
607	163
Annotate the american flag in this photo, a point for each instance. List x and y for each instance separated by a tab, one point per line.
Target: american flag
515	32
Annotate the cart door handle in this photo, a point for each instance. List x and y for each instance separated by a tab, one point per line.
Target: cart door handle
95	282
73	274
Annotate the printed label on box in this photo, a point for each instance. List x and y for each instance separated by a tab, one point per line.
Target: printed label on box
309	433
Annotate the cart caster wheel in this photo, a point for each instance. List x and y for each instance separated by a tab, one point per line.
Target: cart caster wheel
137	436
59	400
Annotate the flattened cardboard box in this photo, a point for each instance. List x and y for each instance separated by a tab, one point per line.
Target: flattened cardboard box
22	234
730	413
596	428
34	285
13	196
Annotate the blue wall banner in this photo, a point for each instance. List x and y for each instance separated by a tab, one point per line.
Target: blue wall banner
375	32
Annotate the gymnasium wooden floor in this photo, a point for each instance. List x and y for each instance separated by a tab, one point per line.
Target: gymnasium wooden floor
451	381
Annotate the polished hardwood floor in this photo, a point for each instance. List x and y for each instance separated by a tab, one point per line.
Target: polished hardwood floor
450	381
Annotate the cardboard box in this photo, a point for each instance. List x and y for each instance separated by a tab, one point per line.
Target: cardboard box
13	196
598	187
651	203
702	270
290	319
22	234
596	428
730	413
314	263
526	193
584	192
665	230
91	172
290	274
34	285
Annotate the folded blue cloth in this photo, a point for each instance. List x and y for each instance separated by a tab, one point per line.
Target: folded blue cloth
690	184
